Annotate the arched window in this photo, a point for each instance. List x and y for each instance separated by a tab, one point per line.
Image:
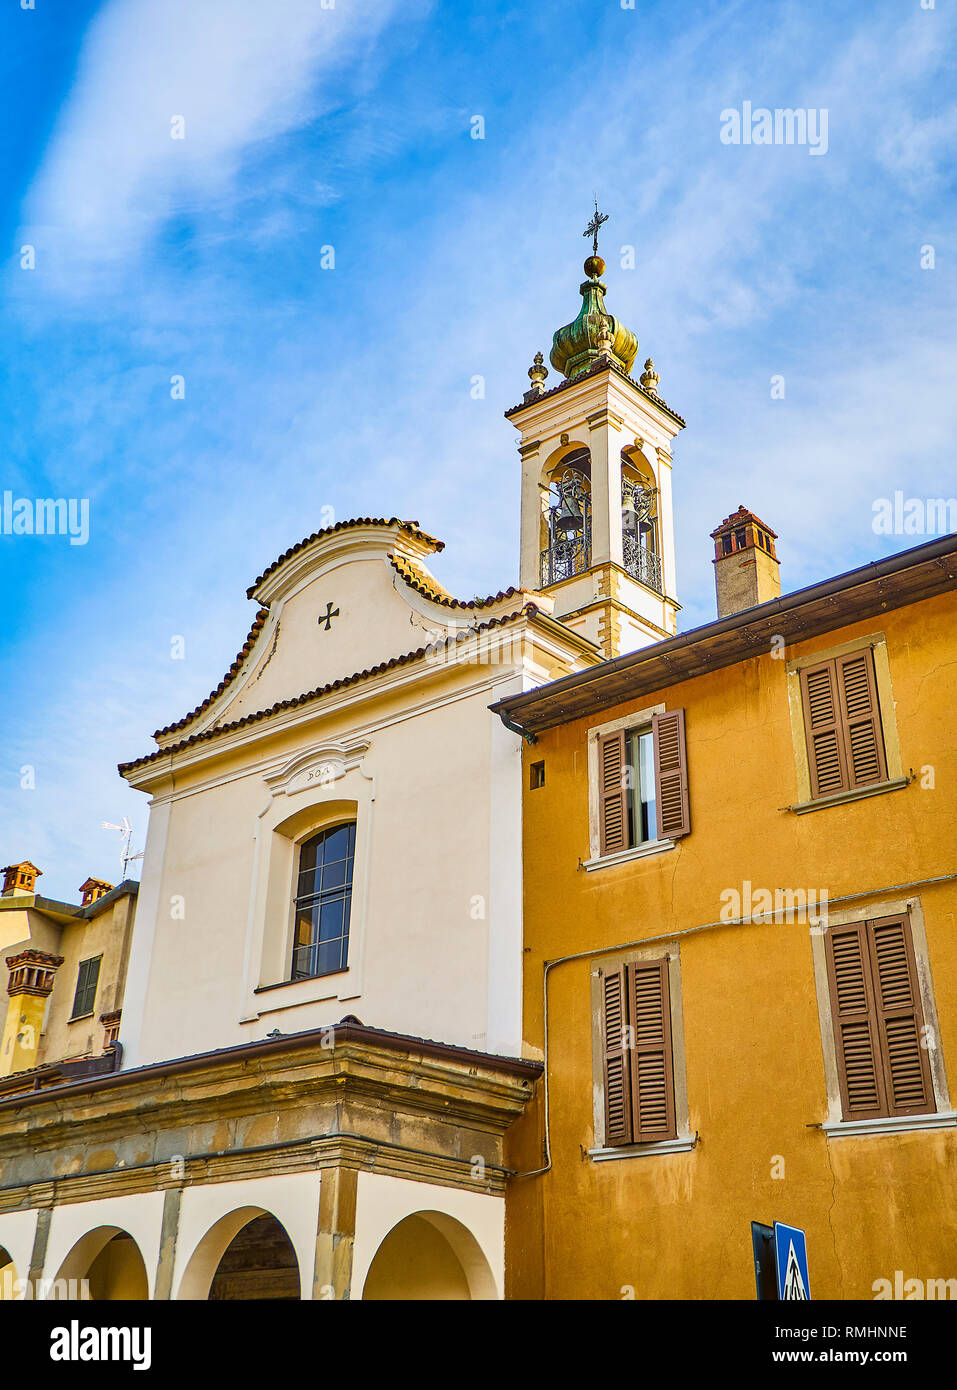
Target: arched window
567	518
638	523
323	903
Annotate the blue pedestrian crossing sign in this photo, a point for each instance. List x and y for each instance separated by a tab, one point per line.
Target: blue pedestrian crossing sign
790	1256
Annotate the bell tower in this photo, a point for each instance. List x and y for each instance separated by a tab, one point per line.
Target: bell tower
597	528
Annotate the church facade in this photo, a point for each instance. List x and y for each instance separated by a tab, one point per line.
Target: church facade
321	1029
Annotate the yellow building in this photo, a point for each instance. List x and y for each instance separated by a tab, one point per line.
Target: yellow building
740	960
62	993
739	884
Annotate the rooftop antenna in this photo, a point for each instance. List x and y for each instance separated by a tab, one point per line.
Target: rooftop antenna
126	833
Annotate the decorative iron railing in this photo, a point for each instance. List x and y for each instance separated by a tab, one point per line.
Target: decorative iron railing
642	564
564	559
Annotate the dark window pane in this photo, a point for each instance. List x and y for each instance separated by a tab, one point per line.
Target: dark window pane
330	923
308	855
337	874
308	883
302	963
330	956
337	843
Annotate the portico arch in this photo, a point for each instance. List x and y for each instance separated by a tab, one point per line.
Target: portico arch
111	1262
246	1254
429	1256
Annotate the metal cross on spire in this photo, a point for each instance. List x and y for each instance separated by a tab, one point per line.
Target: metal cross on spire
593	227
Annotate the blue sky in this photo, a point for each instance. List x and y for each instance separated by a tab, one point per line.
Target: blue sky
454	257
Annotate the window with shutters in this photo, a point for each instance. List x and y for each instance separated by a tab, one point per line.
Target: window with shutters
87	979
640	783
640	1092
842	715
877	1016
842	721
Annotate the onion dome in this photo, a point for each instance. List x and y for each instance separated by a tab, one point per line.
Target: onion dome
595	335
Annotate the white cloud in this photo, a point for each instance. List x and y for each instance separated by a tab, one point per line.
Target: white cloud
238	72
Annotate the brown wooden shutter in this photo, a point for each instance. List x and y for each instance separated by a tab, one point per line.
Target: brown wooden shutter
823	726
900	1019
616	1057
861	718
856	1033
613	795
671	774
652	1067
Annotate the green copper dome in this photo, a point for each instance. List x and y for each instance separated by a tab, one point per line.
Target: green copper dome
579	345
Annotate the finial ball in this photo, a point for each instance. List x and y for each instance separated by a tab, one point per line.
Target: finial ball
594	267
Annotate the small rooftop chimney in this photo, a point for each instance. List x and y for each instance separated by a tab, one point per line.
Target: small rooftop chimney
19	879
92	889
746	570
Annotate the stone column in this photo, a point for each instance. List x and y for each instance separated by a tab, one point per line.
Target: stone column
336	1233
605	449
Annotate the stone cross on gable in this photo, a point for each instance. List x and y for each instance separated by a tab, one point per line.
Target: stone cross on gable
328	616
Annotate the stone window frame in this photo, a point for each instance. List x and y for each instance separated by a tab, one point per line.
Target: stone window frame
318	788
835	1126
596	859
876	642
687	1138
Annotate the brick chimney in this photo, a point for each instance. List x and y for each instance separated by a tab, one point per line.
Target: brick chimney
29	987
92	889
746	569
19	879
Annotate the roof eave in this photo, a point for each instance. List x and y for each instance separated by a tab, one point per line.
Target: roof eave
690	654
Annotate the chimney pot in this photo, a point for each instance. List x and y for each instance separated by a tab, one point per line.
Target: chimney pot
746	568
19	879
92	889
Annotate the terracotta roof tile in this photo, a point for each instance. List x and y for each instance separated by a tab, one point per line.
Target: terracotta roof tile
427	586
411	526
528	609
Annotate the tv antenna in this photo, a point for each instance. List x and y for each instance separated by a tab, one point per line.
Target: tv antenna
126	834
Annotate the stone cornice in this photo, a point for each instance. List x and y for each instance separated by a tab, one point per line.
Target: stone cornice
312	1154
417	1105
